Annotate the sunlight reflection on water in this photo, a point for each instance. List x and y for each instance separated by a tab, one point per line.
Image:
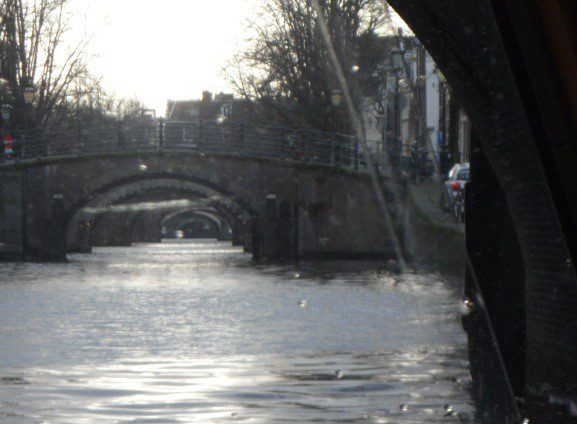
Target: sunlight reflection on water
196	333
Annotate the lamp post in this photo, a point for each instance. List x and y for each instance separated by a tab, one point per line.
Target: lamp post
29	96
6	111
5	108
336	97
336	101
5	115
397	57
381	74
29	93
27	122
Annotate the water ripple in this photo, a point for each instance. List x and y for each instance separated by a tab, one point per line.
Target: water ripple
177	333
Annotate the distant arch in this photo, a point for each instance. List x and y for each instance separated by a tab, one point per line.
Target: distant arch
121	195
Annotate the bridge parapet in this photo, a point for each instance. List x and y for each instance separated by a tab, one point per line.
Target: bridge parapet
211	137
316	179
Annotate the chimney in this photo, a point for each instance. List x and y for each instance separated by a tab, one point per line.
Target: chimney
206	96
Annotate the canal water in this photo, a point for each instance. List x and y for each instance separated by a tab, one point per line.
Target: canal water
195	332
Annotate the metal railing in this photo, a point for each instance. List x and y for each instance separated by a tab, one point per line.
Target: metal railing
211	137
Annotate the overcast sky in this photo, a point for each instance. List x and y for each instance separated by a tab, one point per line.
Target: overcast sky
156	50
159	50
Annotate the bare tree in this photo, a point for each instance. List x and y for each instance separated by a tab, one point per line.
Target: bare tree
128	109
287	69
35	54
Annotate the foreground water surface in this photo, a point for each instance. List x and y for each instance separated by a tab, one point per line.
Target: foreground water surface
197	333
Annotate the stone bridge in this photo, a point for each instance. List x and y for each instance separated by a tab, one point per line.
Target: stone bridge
512	65
304	197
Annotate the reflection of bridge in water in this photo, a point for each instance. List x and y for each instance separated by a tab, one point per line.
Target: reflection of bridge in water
282	193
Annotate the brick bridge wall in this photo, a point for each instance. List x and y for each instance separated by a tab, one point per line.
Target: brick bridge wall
338	215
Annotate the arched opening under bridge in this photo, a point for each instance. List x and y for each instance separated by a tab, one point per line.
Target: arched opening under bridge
137	211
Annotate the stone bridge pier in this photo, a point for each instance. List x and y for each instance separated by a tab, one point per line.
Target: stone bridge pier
145	227
112	229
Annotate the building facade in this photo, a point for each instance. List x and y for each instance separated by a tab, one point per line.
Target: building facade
413	106
209	107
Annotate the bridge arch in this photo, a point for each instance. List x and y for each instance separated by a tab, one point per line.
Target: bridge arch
311	195
222	221
180	220
144	224
145	194
119	188
475	45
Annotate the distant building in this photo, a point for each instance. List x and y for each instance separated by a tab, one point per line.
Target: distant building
182	110
209	107
412	103
464	150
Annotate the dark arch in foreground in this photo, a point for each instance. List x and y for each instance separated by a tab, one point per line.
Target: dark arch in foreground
512	64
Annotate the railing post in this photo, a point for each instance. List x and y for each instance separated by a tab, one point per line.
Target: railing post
338	152
17	150
161	133
283	143
78	133
120	135
201	134
78	141
356	153
241	134
332	142
303	145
